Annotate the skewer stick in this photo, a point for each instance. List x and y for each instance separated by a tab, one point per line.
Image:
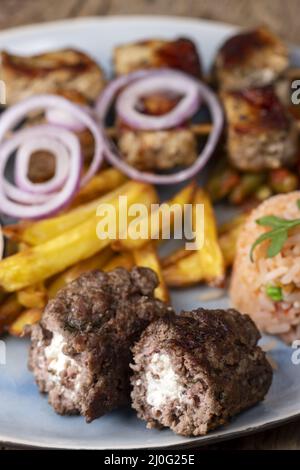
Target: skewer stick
201	128
197	129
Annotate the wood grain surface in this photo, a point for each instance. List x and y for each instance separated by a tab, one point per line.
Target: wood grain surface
281	16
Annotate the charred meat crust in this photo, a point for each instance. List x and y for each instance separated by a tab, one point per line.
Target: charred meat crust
261	132
180	54
94	321
251	58
220	369
44	73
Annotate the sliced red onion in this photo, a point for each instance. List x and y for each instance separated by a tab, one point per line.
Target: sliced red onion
106	98
55	201
22	162
1	243
45	198
13	115
172	81
64	119
18	195
112	153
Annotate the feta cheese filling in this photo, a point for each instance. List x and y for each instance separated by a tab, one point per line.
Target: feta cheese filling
162	381
57	360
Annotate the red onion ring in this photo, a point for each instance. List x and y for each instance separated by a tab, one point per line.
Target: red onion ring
62	164
173	81
1	243
18	195
106	97
52	195
13	115
61	118
55	201
111	152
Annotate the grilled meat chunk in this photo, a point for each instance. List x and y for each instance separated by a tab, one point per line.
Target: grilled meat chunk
250	59
194	371
45	73
80	351
157	150
180	54
261	134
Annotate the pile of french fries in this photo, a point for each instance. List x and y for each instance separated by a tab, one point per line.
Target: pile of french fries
54	251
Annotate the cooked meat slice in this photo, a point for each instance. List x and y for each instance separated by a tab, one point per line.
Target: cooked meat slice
250	59
44	73
80	351
261	133
178	54
41	166
194	371
157	150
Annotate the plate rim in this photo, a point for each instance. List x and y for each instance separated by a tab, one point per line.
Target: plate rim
191	442
34	27
28	29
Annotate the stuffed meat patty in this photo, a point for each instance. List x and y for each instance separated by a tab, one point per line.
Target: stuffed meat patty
194	371
80	351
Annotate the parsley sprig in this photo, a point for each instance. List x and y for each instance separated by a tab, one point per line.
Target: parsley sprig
278	234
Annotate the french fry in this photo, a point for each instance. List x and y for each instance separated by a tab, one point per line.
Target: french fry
10	308
228	239
147	257
121	260
27	317
187	271
228	243
152	226
174	257
34	296
40	262
231	224
228	235
44	230
210	255
96	261
103	182
205	264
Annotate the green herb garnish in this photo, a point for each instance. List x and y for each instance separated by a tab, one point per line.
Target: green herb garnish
275	293
278	234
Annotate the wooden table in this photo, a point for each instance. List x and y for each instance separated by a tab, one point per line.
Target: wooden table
281	16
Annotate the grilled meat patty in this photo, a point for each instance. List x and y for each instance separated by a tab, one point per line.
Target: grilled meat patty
80	351
194	371
45	73
261	134
250	59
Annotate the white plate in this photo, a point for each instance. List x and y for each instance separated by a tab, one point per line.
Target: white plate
25	416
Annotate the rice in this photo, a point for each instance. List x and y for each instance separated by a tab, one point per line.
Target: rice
251	279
